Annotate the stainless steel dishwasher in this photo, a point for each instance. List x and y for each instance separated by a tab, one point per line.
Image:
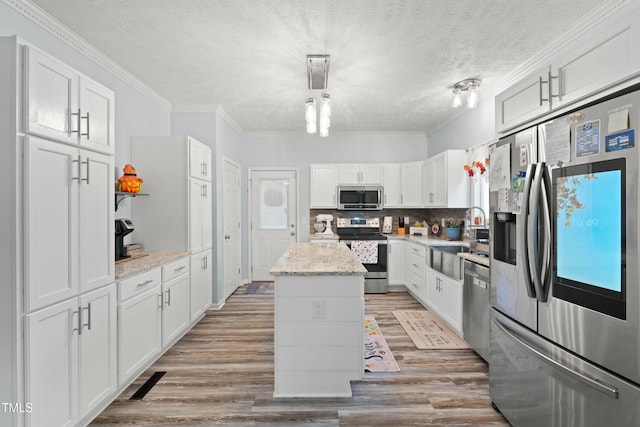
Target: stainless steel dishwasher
475	307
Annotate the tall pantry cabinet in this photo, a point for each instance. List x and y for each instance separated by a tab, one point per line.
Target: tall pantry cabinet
177	172
58	309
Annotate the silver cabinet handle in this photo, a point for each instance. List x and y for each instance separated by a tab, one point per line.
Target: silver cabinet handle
87	178
592	382
415	265
179	268
87	119
79	172
161	306
79	328
169	297
88	324
145	283
78	118
401	198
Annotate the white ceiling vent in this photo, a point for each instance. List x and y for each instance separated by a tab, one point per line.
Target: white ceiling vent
318	71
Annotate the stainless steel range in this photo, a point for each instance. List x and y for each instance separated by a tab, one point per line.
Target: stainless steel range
362	236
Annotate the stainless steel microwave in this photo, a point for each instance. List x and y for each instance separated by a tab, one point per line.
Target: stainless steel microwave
360	197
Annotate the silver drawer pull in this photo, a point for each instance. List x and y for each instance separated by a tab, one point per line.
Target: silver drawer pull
145	283
179	268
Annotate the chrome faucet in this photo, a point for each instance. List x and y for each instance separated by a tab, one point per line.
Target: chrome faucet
484	217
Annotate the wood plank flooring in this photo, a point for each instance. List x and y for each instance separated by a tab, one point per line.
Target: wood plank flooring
221	373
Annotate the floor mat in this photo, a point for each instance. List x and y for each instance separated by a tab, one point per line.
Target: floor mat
377	356
428	332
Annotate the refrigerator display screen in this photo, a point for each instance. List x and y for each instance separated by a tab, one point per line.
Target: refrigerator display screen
589	235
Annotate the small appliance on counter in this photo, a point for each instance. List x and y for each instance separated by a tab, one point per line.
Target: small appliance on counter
323	224
387	225
123	227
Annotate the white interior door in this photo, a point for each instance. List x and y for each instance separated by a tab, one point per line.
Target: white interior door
231	227
273	219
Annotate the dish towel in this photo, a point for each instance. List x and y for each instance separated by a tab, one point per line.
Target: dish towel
365	250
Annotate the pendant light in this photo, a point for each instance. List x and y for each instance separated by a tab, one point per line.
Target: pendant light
471	87
317	78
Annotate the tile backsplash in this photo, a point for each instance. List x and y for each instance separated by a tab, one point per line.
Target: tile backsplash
429	215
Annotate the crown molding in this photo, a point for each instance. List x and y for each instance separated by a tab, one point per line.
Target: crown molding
194	108
418	135
575	30
65	34
230	121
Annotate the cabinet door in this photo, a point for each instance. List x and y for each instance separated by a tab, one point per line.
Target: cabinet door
608	58
96	121
201	280
139	332
371	174
96	224
451	302
396	262
175	311
51	382
323	186
206	207
98	374
199	160
523	101
411	182
432	281
429	183
439	184
52	173
348	174
51	97
391	184
196	215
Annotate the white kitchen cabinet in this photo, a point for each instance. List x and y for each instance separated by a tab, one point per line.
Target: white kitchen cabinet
69	228
391	184
445	181
411	185
359	174
396	262
523	101
139	323
71	357
199	160
604	60
174	195
201	282
176	309
415	264
444	296
323	186
66	106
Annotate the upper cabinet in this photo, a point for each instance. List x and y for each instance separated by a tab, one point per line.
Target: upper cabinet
445	184
323	183
411	185
603	61
199	160
66	106
391	184
360	174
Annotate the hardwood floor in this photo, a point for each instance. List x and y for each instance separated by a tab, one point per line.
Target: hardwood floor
221	373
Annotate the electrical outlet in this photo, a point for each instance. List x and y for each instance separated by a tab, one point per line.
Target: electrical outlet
318	309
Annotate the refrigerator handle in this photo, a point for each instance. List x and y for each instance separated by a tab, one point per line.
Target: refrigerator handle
595	383
523	246
533	239
546	234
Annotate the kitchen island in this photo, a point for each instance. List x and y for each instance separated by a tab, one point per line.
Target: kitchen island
319	319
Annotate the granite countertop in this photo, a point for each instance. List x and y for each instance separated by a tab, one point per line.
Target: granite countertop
430	240
318	259
147	262
479	259
321	236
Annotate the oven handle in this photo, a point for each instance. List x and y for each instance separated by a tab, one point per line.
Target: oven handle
348	242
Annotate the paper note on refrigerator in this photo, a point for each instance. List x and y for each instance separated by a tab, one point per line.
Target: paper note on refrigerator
557	142
500	170
618	121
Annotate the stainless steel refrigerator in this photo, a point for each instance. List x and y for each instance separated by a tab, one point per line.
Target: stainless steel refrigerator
565	299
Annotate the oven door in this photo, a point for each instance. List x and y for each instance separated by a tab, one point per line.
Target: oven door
377	278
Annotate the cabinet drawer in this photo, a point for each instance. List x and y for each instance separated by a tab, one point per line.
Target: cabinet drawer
416	285
137	284
415	264
418	250
174	269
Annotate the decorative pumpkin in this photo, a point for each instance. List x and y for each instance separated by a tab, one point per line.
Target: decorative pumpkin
129	182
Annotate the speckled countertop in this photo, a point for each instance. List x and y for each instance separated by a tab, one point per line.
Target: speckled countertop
321	236
318	259
441	241
151	260
479	259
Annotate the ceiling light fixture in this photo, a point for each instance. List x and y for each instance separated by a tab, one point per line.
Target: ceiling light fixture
317	78
471	87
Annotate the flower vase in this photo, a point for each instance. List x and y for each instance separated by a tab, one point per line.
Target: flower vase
453	233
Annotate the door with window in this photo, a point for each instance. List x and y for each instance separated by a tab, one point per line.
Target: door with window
273	218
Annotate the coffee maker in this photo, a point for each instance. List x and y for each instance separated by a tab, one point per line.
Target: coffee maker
123	227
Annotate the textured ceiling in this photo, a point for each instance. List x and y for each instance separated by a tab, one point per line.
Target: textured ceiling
392	62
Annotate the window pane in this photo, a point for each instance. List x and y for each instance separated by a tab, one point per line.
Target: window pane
273	205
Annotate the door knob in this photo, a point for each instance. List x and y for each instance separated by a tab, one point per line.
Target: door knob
293	233
227	237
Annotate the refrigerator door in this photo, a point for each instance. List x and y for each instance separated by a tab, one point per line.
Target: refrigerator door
536	383
604	339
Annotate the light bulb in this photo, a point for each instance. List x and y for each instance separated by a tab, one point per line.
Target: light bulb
472	97
456	99
310	115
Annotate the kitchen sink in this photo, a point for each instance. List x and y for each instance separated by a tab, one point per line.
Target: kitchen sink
445	259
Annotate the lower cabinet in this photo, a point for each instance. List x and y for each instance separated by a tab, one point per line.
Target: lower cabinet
175	309
396	262
415	264
444	296
71	357
201	282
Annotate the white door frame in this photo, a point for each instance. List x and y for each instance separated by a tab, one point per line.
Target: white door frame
250	207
